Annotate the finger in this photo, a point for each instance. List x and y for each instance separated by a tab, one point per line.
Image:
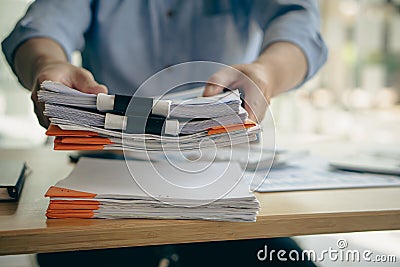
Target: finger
250	110
84	82
255	102
252	116
255	106
39	108
43	120
219	81
212	89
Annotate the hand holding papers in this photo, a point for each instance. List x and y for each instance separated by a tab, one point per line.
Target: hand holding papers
200	107
63	95
211	121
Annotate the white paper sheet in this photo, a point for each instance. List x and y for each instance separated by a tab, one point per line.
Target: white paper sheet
313	173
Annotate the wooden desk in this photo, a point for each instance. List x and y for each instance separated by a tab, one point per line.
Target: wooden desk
25	229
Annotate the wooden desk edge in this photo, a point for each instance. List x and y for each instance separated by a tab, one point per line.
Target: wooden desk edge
128	233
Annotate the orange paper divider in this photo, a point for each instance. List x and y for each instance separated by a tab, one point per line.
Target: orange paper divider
55	191
87	214
60	146
231	128
54	130
67	211
55	206
95	140
74	201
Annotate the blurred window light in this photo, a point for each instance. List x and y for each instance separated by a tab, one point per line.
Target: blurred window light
386	98
358	99
349	8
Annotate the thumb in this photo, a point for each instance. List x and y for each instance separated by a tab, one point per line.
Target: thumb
212	89
218	82
84	82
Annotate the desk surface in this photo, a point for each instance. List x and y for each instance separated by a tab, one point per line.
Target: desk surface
25	229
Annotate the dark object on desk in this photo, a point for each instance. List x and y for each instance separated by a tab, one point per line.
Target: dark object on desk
12	178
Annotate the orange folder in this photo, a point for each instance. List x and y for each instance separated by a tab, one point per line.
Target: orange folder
54	130
82	214
70	206
55	191
60	209
94	140
60	146
231	128
75	201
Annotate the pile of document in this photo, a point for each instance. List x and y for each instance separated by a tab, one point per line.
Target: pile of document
156	190
83	121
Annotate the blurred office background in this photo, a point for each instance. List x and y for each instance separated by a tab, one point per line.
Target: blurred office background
354	99
356	95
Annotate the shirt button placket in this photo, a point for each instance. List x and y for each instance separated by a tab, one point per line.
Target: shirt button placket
169	14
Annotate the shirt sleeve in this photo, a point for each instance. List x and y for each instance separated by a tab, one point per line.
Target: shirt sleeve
297	22
62	21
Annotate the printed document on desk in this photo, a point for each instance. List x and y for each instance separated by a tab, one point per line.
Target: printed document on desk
314	173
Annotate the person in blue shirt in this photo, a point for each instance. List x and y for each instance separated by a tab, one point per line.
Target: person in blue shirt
275	43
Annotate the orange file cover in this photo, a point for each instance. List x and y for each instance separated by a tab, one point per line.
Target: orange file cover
75	201
231	128
55	130
62	214
60	146
55	191
70	206
60	209
95	140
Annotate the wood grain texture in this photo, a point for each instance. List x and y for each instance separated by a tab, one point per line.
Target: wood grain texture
25	229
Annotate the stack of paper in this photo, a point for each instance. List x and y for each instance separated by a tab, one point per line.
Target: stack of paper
200	107
139	189
60	113
83	121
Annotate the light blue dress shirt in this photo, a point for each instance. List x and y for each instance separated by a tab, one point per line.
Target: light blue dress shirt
124	42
